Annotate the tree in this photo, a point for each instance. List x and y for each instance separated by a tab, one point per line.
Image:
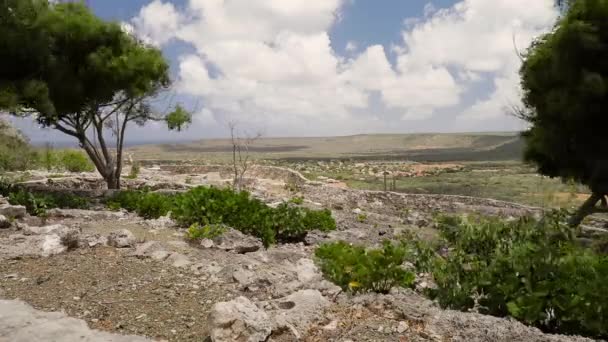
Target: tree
241	142
91	79
565	94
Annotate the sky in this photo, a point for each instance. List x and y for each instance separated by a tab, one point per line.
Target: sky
334	67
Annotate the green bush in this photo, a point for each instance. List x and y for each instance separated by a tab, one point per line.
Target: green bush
148	205
74	161
534	271
212	206
37	204
208	231
357	269
297	200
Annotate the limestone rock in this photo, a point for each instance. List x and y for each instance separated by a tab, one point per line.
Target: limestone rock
15	211
121	239
19	322
238	320
307	271
298	310
4	222
178	260
233	240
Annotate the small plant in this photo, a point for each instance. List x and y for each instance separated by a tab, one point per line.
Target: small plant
297	200
362	218
38	204
357	269
134	172
208	231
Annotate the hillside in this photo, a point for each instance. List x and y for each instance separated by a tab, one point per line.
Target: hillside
422	147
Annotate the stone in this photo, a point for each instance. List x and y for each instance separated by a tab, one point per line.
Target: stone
207	243
121	239
146	249
19	322
159	255
233	240
52	245
14	211
94	240
162	222
402	327
57	229
4	222
178	260
307	271
239	320
299	310
243	277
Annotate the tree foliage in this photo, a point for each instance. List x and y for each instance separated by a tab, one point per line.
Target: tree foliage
565	82
81	75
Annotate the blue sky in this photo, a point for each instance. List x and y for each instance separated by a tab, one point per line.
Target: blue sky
335	67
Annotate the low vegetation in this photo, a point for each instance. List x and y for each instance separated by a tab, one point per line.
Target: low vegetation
37	204
357	269
208	231
212	206
534	271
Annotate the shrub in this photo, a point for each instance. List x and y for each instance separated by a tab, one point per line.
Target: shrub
75	161
212	206
534	271
148	205
362	218
37	204
357	269
208	231
134	172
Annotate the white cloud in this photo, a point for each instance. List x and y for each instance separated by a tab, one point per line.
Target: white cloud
271	61
157	22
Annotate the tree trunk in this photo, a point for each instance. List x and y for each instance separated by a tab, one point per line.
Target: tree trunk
585	210
113	181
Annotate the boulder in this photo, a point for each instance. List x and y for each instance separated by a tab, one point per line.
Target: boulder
19	322
122	239
4	222
297	311
238	320
233	240
52	245
146	249
14	211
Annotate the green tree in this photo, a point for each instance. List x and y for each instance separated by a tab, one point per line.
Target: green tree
565	83
89	79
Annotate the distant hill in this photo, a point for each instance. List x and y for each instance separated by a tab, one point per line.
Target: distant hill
420	147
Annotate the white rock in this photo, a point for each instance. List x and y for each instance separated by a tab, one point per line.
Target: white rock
146	249
357	211
15	211
51	245
238	320
207	243
300	309
307	271
4	222
233	240
179	260
19	322
121	239
402	327
159	255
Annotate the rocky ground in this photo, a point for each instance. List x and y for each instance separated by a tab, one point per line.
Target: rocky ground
124	275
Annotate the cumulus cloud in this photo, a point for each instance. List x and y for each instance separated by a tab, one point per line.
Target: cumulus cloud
271	62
